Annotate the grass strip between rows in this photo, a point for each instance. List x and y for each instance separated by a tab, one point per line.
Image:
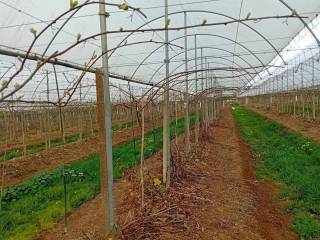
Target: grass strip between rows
290	160
39	147
37	204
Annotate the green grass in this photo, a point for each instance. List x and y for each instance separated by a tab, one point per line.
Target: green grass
290	160
119	126
37	204
298	109
36	148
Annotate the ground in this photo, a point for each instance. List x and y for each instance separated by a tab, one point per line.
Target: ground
216	196
307	127
23	168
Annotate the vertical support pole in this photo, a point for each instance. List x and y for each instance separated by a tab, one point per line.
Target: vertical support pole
102	148
187	122
270	94
166	129
142	155
64	166
24	132
214	100
201	51
294	95
211	99
202	89
48	144
107	177
313	92
302	92
206	96
197	98
278	102
176	117
288	96
80	116
282	93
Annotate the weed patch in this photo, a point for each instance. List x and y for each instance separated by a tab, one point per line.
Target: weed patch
37	204
290	160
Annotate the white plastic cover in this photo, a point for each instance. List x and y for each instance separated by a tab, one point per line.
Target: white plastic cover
252	50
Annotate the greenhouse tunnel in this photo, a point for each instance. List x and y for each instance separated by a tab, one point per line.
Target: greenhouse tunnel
160	119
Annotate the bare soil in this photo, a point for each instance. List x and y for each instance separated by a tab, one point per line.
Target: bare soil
33	138
23	168
214	195
307	127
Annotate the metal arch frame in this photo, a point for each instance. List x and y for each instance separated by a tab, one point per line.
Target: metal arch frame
199	70
245	24
209	57
253	54
200	64
202	11
211	35
217	63
193	59
213	90
185	74
261	35
241	69
301	19
303	22
236	55
214	35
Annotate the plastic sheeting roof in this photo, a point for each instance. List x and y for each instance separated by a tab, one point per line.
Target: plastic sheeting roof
305	75
218	42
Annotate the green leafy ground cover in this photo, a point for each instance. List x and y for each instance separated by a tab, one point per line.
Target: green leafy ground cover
290	160
38	203
36	148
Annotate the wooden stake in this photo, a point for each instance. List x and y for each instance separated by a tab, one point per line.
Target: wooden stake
102	151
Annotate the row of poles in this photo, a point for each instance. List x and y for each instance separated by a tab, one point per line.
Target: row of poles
300	77
104	102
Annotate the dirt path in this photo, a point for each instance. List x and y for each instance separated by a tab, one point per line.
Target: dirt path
23	168
229	202
307	127
244	208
